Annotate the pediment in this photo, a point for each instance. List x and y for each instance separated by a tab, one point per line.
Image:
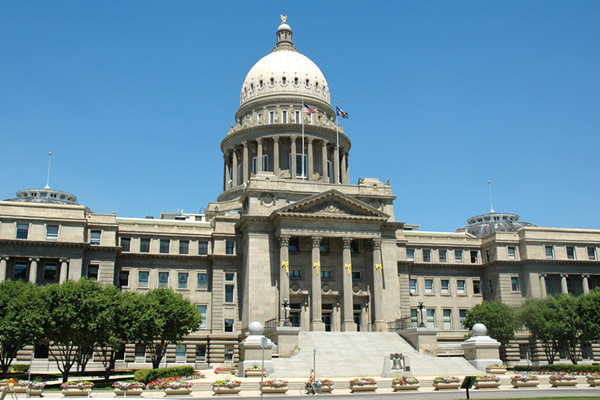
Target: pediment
332	204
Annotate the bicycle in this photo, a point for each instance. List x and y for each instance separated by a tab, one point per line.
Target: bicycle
309	389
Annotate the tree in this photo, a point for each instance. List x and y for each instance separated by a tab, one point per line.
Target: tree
588	321
500	320
21	319
163	317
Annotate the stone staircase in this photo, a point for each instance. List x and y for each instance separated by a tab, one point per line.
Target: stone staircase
354	354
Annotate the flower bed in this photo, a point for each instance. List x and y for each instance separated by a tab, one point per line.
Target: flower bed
563	380
446	382
173	385
487	381
405	383
275	386
16	386
524	381
496	369
226	386
363	385
77	388
129	388
326	385
593	380
224	370
254	371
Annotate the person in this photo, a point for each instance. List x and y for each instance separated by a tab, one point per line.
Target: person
312	384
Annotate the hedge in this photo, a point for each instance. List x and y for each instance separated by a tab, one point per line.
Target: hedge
148	375
558	368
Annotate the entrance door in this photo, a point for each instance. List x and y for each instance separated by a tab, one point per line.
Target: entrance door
200	355
357	321
326	317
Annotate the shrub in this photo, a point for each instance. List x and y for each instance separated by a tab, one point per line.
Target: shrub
568	368
147	375
19	368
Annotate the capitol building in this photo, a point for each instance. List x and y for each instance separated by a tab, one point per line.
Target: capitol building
291	241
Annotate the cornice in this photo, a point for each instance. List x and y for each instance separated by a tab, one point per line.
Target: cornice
43	243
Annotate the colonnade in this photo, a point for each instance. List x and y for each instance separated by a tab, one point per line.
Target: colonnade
33	263
564	286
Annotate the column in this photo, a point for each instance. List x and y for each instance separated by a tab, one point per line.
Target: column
585	281
284	274
316	323
348	303
379	324
345	178
64	270
310	159
324	160
543	286
336	165
293	157
234	167
33	269
276	155
259	155
563	283
3	262
226	176
245	175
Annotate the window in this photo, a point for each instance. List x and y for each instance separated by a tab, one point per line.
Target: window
430	318
22	231
202	310
324	245
144	245
126	244
570	286
326	274
203	247
254	166
460	287
50	272
229	276
490	287
180	351
426	255
476	286
294	244
182	280
487	256
445	284
412	286
284	116
51	232
123	278
163	279
140	353
443	257
587	352
474	256
523	351
458	256
120	353
283	81
165	245
229	246
143	279
295	274
514	284
462	315
228	325
447	316
570	252
299	170
229	293
410	254
549	252
356	275
428	286
95	237
298	116
330	171
591	253
228	354
202	280
265	162
92	271
20	272
271	117
184	246
414	318
512	253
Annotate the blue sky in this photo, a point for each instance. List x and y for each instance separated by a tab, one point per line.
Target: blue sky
134	97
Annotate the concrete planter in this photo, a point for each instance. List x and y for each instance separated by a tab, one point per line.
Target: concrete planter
363	388
17	388
408	386
326	389
36	392
496	370
226	390
563	382
272	389
227	371
75	392
593	381
530	383
130	392
444	385
254	372
178	391
486	384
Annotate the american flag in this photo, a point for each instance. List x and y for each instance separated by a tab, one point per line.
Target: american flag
341	112
308	109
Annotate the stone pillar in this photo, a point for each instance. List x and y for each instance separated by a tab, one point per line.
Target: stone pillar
259	155
316	323
563	283
343	163
226	175
348	303
64	271
543	286
324	160
245	175
336	165
3	262
346	170
33	269
293	156
379	324
276	155
234	168
585	281
284	273
310	159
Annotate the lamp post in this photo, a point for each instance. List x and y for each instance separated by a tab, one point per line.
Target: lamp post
421	308
286	312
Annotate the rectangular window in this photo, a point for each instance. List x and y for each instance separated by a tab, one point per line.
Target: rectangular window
324	245
512	253
426	255
92	271
143	279
410	254
203	247
228	354
570	252
123	278
443	257
476	286
412	286
445	286
140	353
284	117
163	279
490	287
487	256
570	286
229	293
298	117
184	246
356	275
22	231
180	351
144	245
202	309
229	246
254	165
51	232
182	280
458	256
460	287
591	253
326	275
447	315
271	117
50	272
265	161
514	284
20	272
229	276
523	351
95	237
165	246
549	252
428	286
474	256
414	318
330	172
355	247
295	274
202	280
299	169
228	325
431	318
462	315
126	244
294	244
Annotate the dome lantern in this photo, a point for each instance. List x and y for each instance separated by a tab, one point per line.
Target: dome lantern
284	36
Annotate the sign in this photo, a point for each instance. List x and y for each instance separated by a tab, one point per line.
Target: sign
468	382
264	342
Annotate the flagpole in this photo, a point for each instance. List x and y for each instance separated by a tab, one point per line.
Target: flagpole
337	144
302	117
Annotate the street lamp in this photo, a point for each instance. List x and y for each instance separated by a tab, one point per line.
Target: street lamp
286	312
421	308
